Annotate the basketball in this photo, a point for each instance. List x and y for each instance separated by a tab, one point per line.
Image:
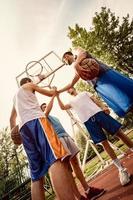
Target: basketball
15	135
91	66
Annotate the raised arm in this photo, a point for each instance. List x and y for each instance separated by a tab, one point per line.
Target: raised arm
74	81
36	88
49	106
62	106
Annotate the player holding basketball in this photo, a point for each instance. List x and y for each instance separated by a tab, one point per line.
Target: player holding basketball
43	148
95	117
114	88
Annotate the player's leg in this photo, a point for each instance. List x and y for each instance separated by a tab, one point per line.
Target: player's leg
120	134
78	172
37	190
90	192
95	127
60	180
70	147
72	181
109	149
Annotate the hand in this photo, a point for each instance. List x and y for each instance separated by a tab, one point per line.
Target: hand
106	110
54	89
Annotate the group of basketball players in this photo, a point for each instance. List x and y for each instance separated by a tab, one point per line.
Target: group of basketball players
48	146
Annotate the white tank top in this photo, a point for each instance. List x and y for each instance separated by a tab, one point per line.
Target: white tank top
27	106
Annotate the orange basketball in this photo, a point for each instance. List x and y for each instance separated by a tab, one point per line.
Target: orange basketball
92	66
15	135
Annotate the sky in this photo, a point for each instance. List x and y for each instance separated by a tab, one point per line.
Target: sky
30	29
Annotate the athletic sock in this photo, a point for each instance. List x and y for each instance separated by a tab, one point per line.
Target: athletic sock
118	164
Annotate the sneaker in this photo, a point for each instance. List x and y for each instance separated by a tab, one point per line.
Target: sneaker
124	177
83	198
94	193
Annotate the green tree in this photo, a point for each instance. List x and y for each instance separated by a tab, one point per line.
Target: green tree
12	163
109	39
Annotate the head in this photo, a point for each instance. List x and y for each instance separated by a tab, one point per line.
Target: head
72	91
43	106
68	58
25	80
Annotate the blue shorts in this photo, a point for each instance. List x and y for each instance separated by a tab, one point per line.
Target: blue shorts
97	123
42	146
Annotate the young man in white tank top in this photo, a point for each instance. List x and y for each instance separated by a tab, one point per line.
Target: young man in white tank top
44	150
95	116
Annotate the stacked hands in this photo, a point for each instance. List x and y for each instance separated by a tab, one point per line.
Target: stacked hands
15	134
55	91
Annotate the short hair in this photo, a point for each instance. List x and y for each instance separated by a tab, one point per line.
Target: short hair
42	105
66	53
25	80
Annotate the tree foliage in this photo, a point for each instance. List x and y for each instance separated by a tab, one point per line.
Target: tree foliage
12	163
109	39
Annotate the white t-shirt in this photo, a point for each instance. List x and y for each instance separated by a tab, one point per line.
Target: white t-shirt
27	106
84	106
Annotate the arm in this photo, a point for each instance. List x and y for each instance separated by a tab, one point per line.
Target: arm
13	118
49	106
62	106
99	103
67	87
36	88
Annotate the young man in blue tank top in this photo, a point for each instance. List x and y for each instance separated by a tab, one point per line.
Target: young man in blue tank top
70	146
114	88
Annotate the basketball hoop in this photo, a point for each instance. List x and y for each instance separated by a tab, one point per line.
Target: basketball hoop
34	69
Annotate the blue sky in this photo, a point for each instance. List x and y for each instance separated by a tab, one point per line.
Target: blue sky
30	29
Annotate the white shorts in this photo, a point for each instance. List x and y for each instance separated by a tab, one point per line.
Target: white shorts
70	146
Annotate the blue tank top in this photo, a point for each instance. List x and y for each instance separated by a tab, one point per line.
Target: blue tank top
57	126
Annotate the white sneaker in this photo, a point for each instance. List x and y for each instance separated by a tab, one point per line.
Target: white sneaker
124	177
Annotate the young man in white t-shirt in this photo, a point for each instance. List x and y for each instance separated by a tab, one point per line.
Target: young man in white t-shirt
95	116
